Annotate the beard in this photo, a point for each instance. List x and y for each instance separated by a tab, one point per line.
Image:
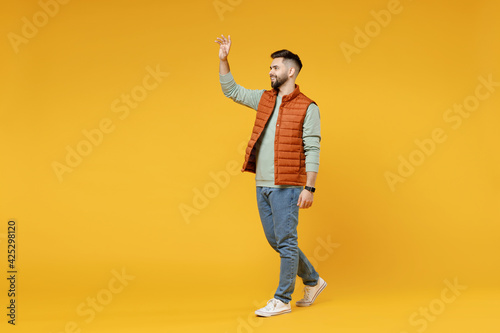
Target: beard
278	82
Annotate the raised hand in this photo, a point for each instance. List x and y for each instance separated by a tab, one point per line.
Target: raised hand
225	46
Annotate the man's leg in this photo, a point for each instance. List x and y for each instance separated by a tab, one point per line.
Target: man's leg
279	216
306	271
285	214
274	306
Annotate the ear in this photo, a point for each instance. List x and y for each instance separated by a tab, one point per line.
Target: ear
291	71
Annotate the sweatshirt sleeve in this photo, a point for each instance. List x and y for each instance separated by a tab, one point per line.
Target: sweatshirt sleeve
237	93
311	136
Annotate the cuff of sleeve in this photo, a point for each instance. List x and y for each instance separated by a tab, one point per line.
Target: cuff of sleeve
225	78
312	167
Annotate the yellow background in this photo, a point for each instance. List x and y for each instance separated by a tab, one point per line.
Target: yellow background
121	207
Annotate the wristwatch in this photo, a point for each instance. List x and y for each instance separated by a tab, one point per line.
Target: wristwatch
310	189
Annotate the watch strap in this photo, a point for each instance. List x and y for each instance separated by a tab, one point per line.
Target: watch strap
310	189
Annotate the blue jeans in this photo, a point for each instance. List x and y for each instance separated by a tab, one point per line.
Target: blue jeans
279	214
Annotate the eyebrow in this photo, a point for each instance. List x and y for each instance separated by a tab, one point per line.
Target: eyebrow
273	66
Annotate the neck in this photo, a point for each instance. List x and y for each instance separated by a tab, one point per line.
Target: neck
287	88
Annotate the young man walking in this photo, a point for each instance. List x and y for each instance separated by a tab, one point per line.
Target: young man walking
283	152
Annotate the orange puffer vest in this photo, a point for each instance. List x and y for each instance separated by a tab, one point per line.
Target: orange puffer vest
289	158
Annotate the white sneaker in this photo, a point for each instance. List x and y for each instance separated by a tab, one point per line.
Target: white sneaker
310	293
274	307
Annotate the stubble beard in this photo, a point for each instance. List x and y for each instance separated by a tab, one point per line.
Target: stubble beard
278	82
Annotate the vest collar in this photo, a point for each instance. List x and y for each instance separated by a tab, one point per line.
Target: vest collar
290	96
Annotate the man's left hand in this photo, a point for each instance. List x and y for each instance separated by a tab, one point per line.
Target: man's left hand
305	199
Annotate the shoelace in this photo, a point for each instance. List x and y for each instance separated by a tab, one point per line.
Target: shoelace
307	292
272	306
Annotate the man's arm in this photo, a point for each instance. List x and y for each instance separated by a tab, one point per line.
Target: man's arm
237	93
311	137
224	67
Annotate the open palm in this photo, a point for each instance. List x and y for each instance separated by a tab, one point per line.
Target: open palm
225	46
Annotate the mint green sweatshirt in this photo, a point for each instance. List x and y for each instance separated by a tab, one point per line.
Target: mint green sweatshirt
311	136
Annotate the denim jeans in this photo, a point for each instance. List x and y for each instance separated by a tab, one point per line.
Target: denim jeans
279	215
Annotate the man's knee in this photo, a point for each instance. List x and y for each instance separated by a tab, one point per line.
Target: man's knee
288	245
273	244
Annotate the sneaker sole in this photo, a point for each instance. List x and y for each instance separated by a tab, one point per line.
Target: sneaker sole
267	314
304	304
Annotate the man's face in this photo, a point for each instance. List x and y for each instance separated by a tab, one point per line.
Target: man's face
278	73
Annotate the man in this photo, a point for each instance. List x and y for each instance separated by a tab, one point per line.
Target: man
283	152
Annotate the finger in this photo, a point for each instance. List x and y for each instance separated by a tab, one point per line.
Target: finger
303	204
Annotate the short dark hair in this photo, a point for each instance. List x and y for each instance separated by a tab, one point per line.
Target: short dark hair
287	55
